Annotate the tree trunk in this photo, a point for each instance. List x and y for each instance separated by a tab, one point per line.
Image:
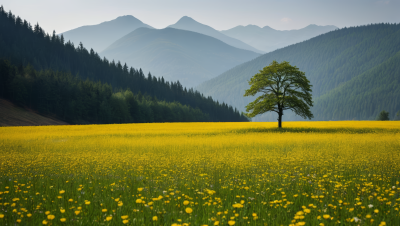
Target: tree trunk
280	119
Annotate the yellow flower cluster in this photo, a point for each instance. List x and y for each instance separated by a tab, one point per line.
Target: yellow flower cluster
308	173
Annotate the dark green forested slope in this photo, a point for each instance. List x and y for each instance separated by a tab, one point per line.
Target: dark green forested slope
329	61
73	100
365	96
22	44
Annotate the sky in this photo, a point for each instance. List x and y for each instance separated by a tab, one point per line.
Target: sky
63	15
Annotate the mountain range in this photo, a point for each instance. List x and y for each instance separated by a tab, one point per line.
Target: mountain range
187	51
268	39
354	72
175	54
189	24
100	36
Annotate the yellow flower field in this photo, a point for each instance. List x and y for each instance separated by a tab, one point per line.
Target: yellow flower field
308	173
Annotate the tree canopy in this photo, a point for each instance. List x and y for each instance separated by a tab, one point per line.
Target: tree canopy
283	87
383	116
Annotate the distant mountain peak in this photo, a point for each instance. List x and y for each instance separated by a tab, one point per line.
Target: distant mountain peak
99	36
189	24
314	26
127	18
249	26
186	19
252	25
268	28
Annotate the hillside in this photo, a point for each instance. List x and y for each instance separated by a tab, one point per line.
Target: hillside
12	115
364	96
72	100
189	24
28	49
268	39
99	36
177	54
352	70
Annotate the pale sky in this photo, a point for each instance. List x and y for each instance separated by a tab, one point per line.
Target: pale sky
61	15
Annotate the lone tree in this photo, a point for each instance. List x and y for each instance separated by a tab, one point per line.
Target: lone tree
383	116
283	87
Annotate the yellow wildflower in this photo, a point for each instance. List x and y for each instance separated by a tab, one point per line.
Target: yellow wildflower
188	210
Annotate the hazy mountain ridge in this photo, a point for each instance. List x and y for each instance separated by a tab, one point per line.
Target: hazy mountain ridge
100	36
268	39
189	24
330	61
176	54
171	58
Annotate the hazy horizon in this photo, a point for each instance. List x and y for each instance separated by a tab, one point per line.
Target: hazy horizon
221	15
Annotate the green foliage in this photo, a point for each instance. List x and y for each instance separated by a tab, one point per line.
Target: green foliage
284	87
354	72
383	116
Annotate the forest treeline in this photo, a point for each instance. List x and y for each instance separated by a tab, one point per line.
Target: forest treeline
50	55
73	100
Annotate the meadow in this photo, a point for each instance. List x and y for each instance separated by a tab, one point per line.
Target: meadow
308	173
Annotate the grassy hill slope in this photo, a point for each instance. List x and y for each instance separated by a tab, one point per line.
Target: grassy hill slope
329	61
